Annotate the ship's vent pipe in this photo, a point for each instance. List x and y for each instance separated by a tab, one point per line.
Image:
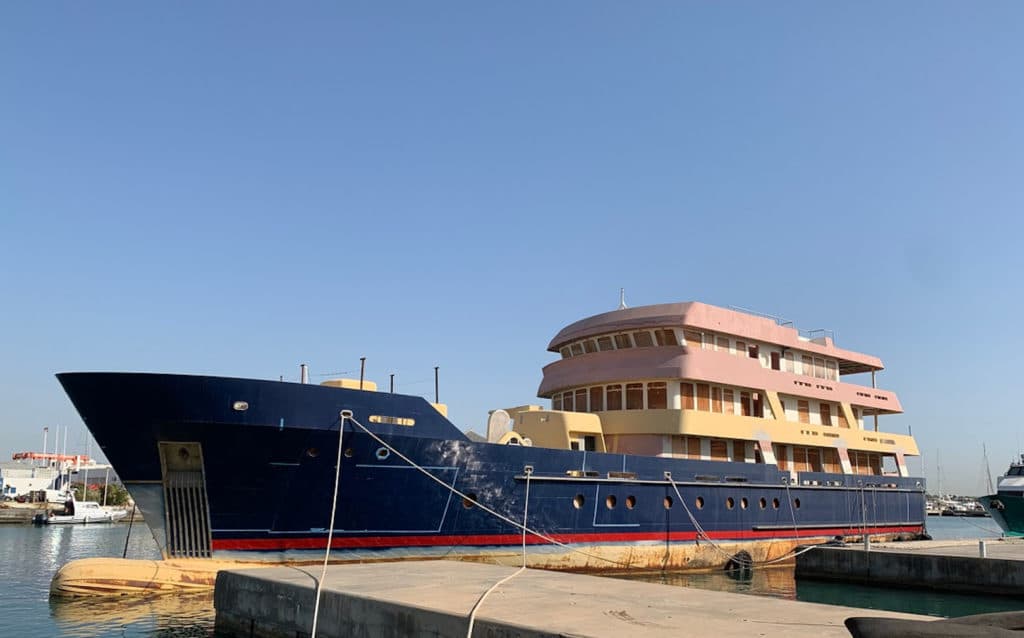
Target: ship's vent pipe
304	373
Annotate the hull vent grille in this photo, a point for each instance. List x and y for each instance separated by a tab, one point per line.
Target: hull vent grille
186	510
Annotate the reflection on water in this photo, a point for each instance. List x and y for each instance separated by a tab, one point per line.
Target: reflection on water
167	615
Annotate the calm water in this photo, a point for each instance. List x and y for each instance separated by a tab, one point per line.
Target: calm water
30	555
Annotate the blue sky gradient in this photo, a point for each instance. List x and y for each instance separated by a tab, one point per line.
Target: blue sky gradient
235	188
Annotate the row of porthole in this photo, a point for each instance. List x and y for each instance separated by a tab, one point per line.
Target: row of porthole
610	502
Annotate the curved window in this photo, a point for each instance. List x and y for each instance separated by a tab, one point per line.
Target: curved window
657	395
667	502
578	501
775	503
762	503
743	503
614	397
630	502
699	502
729	503
634	396
622	342
609	502
643	339
604	344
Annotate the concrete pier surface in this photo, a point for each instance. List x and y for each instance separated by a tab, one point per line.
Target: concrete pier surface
435	598
942	565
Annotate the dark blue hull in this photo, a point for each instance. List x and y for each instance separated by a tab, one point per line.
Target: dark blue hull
213	479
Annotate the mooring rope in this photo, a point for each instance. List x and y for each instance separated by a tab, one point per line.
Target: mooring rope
480	601
345	414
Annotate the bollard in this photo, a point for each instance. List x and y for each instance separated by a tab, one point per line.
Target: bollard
867	543
982	550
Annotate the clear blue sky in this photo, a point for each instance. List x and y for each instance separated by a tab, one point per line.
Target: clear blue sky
238	187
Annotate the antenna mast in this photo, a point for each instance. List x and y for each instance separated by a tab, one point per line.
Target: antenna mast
622	298
988	471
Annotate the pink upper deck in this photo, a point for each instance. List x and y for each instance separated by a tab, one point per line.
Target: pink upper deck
701	316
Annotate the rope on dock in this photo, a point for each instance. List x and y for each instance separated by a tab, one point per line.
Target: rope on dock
330	530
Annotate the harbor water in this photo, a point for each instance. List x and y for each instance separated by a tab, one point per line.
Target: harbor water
30	555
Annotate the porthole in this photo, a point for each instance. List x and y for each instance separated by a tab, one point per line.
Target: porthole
796	503
775	503
348	453
383	453
609	502
668	502
468	500
729	503
312	452
743	503
630	502
183	454
763	503
578	501
699	502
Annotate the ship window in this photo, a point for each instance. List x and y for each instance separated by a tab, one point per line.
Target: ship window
634	396
775	503
833	374
803	409
556	402
349	452
667	502
716	399
622	341
743	503
686	391
788	356
590	443
762	503
699	502
729	503
567	403
614	393
819	368
609	502
826	414
703	391
578	501
752	351
728	402
392	420
657	395
604	343
577	349
723	344
775	361
642	339
468	500
806	366
596	399
574	445
745	407
666	337
589	346
692	338
565	352
630	502
741	348
581	400
796	503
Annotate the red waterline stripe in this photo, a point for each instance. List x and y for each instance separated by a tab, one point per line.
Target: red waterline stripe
378	542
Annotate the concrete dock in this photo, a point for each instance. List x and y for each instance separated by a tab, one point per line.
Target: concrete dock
942	565
435	598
